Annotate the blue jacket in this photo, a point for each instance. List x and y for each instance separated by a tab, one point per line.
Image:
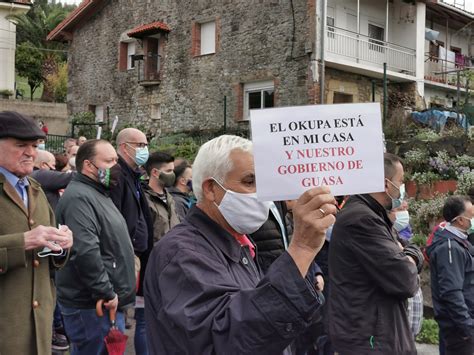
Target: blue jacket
205	295
452	281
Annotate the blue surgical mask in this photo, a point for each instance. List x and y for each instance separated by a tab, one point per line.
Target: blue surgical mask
141	156
397	202
189	184
402	220
41	146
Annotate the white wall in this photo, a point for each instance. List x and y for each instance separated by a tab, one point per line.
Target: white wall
374	12
8	44
453	40
446	96
7	52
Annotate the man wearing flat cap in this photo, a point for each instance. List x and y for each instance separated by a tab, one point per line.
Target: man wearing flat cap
27	228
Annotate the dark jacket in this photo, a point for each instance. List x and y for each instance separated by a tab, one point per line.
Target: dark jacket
269	238
182	202
205	295
51	182
371	279
163	214
129	198
101	263
452	281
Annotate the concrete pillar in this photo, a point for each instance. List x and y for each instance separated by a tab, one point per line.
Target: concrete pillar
420	47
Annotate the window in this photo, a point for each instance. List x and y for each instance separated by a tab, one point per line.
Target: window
342	98
204	38
258	95
376	36
99	113
130	52
208	37
330	23
155	112
127	50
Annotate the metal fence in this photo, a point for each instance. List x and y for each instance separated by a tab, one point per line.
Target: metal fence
54	143
363	49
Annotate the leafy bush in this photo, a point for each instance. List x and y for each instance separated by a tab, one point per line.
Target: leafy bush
429	332
425	213
465	182
427	135
419	239
57	83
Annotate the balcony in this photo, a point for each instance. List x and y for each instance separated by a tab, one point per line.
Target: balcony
148	69
362	50
436	68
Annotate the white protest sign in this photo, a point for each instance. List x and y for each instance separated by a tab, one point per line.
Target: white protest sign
298	148
114	125
99	132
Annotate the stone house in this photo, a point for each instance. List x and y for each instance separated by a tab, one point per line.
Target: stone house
176	66
188	65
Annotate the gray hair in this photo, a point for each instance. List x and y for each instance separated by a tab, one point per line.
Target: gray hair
213	160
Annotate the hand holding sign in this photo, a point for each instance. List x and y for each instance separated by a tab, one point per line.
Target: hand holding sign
313	213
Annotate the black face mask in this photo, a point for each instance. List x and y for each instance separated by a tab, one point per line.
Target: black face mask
167	179
108	177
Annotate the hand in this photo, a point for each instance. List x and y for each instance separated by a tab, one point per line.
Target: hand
68	243
43	236
112	304
313	213
319	284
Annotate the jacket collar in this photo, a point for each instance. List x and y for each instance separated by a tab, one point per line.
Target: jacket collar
214	233
375	206
92	183
128	169
34	189
175	191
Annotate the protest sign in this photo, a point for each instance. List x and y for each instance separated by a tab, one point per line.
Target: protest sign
297	148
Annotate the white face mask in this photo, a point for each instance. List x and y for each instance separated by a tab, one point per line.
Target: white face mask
244	213
72	162
402	219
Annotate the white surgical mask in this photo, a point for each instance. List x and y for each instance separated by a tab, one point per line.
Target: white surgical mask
72	162
402	219
244	212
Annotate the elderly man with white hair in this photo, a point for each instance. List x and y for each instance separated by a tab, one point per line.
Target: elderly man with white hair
204	292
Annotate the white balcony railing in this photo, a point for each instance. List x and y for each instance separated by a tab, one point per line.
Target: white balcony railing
364	50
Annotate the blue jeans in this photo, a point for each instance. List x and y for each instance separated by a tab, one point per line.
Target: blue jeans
86	331
140	332
57	318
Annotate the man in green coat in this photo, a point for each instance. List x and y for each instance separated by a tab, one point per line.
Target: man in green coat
27	293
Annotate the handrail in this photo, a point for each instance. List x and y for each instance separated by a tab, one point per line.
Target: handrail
366	36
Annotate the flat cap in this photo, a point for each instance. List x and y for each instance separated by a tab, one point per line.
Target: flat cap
16	125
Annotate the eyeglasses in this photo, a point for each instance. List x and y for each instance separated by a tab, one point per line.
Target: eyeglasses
138	144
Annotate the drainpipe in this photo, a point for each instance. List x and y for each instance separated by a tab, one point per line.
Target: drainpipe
446	52
386	22
358	31
323	66
385	93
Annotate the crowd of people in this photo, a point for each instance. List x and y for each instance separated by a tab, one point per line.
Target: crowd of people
206	267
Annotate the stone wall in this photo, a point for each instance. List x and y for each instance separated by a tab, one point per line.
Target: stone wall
258	40
54	115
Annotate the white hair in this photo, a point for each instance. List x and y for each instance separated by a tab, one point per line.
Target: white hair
213	160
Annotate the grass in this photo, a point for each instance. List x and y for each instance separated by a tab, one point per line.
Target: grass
429	332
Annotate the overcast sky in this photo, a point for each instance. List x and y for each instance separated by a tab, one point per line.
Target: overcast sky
469	4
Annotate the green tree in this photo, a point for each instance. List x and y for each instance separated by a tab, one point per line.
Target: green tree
32	30
29	64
